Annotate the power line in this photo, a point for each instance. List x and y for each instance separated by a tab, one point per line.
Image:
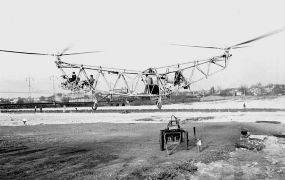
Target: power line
28	80
53	87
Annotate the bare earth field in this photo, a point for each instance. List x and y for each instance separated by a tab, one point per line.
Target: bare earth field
131	151
125	146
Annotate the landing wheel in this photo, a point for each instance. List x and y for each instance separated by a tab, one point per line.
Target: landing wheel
159	105
127	102
95	106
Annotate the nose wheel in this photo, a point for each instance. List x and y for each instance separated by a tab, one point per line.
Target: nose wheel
95	105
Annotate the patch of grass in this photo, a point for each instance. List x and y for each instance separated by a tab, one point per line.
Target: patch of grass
199	118
55	162
271	122
215	155
162	171
145	119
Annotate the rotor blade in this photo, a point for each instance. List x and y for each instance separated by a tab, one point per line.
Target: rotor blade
209	47
238	47
22	52
260	37
67	54
65	49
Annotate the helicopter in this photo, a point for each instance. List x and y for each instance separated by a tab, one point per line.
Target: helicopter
155	83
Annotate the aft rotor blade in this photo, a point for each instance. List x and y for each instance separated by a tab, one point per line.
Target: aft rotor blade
65	49
238	47
67	54
209	47
22	52
260	37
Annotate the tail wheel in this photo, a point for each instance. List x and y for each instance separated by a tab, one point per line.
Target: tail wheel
95	106
159	105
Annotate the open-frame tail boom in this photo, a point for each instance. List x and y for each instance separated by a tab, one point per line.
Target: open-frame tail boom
161	89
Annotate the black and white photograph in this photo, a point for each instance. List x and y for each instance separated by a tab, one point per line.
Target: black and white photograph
134	90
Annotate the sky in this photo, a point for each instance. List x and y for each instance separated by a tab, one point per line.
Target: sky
136	35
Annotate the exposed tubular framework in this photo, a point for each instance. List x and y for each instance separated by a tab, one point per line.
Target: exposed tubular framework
161	75
167	79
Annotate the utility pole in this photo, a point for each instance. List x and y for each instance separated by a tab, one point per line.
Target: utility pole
53	87
28	80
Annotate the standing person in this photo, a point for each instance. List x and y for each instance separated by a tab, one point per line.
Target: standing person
149	83
91	82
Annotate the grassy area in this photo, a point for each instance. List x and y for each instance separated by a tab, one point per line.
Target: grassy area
112	151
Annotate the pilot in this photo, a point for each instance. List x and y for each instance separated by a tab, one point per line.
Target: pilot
178	78
73	77
91	80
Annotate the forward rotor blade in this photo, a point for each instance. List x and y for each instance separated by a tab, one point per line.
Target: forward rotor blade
209	47
22	52
67	54
261	37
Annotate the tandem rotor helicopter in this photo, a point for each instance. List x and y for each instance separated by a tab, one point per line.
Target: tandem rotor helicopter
154	82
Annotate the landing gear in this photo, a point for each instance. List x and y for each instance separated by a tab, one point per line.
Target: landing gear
159	103
95	105
127	102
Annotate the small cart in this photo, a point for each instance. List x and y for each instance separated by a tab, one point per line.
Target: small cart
171	137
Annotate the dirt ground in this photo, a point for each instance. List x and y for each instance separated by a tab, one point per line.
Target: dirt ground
113	151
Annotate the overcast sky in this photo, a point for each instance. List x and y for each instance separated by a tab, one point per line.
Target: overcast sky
136	35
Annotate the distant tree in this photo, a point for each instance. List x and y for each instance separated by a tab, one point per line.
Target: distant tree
65	99
212	90
244	89
4	101
261	88
86	96
269	85
20	100
225	92
258	85
42	98
277	89
59	94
